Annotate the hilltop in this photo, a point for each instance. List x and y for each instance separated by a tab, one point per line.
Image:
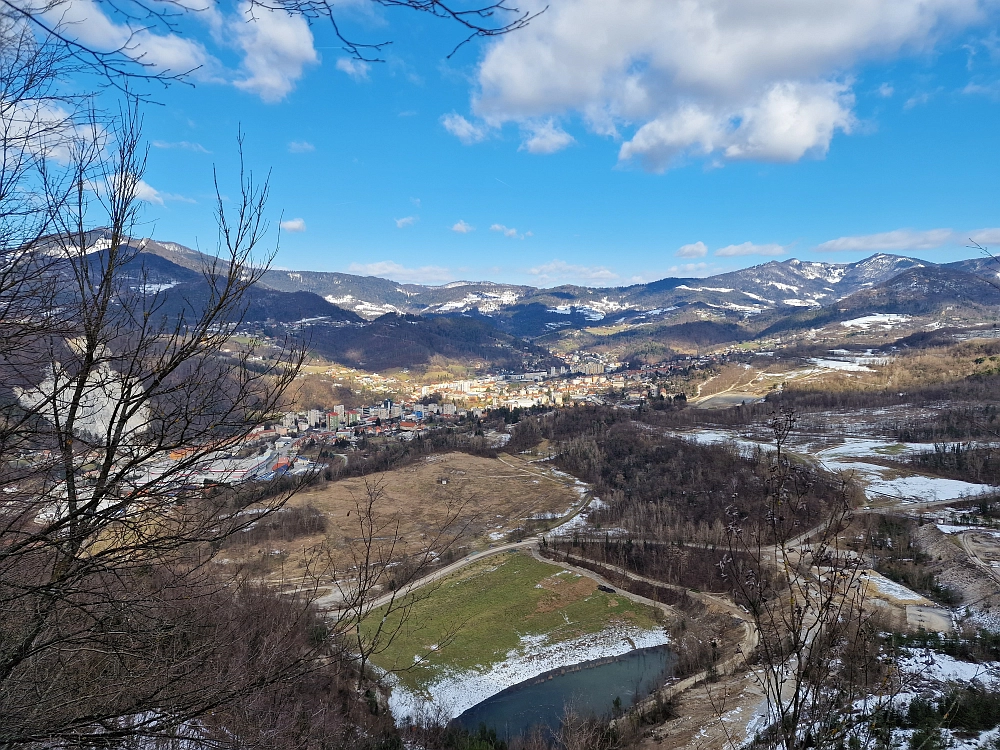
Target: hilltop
467	326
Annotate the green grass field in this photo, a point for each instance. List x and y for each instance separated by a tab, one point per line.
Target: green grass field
476	617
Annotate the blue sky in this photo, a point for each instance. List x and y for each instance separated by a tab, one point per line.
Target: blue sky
607	143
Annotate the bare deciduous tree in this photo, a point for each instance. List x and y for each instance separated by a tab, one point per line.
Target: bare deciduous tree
818	659
126	61
380	576
112	414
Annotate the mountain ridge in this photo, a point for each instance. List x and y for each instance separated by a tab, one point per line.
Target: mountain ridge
788	283
376	322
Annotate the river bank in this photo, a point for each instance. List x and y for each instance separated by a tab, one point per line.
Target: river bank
457	691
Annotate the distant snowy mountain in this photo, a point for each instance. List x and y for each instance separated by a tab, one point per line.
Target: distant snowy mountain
371	322
775	286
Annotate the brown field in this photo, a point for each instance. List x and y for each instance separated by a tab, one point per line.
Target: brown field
492	496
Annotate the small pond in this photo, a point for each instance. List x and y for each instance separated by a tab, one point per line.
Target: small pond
590	688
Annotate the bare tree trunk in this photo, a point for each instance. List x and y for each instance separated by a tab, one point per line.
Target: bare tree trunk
805	590
105	539
381	576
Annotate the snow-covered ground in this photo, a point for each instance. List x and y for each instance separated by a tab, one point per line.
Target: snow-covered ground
853	447
714	437
582	519
883	320
926	674
945	528
579	521
882	482
839	364
457	692
935	667
888	588
848	456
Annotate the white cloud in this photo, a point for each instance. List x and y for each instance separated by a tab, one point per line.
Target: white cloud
886	90
991	90
294	225
694	250
986	237
185	145
546	138
46	129
85	22
176	197
788	121
277	47
918	99
356	69
507	231
462	227
462	129
911	239
392	270
300	147
415	202
748	248
791	120
146	192
768	80
560	270
899	239
510	232
141	189
406	221
689	268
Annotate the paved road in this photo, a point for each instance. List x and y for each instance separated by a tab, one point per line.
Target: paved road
330	601
717	601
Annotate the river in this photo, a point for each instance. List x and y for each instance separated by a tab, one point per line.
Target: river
589	688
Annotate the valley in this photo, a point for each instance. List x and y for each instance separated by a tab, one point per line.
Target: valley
484	326
618	428
764	504
455	375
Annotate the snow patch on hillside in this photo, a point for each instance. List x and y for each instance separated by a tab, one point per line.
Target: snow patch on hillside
881	586
883	320
838	364
373	309
345	300
782	287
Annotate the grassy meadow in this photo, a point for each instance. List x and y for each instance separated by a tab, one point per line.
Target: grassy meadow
474	618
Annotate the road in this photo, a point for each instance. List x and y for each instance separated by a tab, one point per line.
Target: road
532	544
744	648
750	638
329	601
975	558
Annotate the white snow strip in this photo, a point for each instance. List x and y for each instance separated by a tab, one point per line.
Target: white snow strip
838	364
892	590
457	692
884	320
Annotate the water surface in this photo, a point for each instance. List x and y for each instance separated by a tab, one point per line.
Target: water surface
589	689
